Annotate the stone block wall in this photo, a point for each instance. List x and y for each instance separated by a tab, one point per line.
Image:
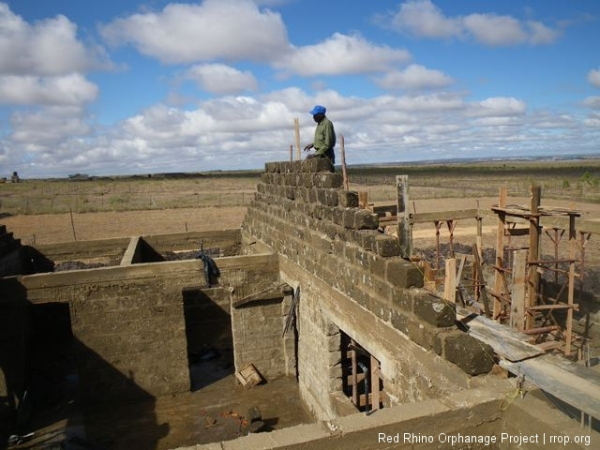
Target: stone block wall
302	213
258	336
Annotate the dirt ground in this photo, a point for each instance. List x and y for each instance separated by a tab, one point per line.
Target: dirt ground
50	228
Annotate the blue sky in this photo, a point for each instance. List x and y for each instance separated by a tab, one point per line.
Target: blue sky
133	86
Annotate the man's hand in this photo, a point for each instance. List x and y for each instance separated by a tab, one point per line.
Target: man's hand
308	147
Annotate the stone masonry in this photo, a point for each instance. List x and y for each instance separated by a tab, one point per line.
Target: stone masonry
333	250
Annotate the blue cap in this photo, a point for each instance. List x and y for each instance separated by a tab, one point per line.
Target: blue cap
318	110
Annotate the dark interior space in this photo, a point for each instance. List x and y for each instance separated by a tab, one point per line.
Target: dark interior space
360	379
208	333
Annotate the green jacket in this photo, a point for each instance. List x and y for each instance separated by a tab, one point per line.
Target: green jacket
324	136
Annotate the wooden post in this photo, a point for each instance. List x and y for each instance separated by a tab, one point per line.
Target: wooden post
498	285
534	250
344	173
375	398
517	307
571	292
450	281
402	202
363	200
297	132
353	377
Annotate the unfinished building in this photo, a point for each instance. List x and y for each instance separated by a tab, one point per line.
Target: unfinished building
309	291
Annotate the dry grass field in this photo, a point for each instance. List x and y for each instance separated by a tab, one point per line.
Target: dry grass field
44	211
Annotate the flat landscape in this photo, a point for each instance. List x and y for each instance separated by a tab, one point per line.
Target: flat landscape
61	210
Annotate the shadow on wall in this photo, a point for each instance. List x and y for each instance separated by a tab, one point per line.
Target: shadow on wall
208	334
41	391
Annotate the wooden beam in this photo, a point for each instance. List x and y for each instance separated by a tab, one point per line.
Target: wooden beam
444	216
570	382
509	344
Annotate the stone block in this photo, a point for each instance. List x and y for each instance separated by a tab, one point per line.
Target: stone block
348	199
386	245
402	299
471	355
365	220
399	321
338	216
425	335
403	273
433	310
328	180
316	165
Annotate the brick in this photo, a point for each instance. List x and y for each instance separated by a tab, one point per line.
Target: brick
472	356
433	310
403	273
348	199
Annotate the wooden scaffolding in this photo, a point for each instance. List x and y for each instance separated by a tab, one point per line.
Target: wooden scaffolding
519	300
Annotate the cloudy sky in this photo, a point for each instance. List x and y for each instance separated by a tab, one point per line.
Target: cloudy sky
145	86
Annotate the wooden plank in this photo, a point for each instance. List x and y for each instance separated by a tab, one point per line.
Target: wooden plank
507	343
517	307
480	279
450	281
572	383
444	216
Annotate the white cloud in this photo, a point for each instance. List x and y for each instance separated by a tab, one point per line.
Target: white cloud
594	77
491	29
423	19
592	102
213	29
42	130
71	89
47	48
221	79
414	77
498	107
342	54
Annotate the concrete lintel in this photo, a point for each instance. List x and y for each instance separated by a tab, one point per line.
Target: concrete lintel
130	253
275	291
40	286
